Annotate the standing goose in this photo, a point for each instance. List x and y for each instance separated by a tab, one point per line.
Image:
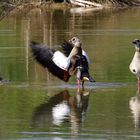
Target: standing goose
79	63
135	64
72	61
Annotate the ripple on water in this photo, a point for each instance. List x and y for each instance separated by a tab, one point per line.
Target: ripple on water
83	136
91	85
70	86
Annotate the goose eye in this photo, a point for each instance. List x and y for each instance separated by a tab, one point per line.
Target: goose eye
73	39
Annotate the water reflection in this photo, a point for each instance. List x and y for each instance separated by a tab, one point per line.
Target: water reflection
62	109
134	104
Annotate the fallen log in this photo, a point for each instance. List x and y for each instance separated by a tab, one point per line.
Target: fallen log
85	3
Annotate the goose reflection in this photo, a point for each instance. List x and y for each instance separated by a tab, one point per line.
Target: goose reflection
134	104
62	109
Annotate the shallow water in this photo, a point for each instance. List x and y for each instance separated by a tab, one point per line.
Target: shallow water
34	105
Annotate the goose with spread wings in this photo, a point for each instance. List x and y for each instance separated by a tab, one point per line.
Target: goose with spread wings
72	60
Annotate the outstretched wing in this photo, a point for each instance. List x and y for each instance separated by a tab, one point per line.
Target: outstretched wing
42	54
45	56
67	47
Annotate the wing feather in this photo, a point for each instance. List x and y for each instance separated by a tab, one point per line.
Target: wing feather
44	55
67	47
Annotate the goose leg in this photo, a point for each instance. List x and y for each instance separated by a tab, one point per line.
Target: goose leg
78	84
83	85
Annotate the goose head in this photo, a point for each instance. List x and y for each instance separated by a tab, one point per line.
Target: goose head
76	42
77	49
136	42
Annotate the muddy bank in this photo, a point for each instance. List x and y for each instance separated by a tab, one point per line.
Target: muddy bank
5	8
23	8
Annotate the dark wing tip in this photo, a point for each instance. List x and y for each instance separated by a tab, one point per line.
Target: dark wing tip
91	79
33	43
66	47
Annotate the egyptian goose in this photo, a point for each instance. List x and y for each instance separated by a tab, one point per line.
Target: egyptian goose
72	60
135	64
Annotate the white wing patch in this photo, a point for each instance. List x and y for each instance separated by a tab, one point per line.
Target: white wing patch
84	53
61	60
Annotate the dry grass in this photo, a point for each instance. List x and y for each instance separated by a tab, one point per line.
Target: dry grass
23	8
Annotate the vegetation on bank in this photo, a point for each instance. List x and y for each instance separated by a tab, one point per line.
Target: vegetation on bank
8	5
113	2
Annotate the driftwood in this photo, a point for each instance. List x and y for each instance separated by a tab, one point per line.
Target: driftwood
85	3
5	8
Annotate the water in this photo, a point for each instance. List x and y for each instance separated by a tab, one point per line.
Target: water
34	105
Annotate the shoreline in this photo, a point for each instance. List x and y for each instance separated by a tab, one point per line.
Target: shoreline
24	8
